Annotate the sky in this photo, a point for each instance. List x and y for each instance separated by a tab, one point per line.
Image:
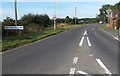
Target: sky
63	9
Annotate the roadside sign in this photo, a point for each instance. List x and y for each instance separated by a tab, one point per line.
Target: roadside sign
13	27
54	17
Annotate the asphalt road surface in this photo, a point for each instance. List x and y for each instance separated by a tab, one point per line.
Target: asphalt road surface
86	50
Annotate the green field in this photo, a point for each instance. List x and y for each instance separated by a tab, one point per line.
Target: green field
11	42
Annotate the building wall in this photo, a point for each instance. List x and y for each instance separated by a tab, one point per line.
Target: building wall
113	14
111	23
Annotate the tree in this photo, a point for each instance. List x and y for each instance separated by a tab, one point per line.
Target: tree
0	26
27	19
42	20
103	13
35	22
116	6
68	20
8	22
61	20
117	22
73	20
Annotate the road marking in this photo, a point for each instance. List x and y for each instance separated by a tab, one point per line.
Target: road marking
90	55
0	52
92	28
81	42
116	38
82	72
89	52
72	71
89	44
85	33
75	60
103	66
110	34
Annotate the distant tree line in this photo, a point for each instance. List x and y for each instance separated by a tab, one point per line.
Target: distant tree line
68	20
38	22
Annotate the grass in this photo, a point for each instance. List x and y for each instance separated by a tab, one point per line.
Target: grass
119	36
105	27
11	42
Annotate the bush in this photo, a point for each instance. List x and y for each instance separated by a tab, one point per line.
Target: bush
32	28
42	20
8	22
117	22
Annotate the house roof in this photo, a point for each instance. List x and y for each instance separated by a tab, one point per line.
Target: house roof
115	13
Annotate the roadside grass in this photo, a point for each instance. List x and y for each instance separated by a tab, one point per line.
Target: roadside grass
105	27
119	36
11	42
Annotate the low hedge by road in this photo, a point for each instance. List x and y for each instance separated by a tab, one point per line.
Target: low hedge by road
11	42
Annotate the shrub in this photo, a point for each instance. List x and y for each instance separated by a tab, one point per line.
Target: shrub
32	28
42	20
8	22
117	22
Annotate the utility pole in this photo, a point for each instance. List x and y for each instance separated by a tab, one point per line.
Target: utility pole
75	15
16	23
15	5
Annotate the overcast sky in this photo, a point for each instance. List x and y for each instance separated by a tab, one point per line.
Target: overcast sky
63	9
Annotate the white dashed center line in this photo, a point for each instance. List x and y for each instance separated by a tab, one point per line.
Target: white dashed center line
81	42
72	71
82	72
85	33
103	66
89	44
75	60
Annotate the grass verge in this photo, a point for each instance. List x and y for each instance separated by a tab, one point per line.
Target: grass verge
105	27
11	42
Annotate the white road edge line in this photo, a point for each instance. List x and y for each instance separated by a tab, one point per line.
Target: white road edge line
116	38
72	71
103	66
81	42
89	44
85	33
75	60
82	72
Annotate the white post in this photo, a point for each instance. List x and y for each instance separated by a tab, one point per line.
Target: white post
54	14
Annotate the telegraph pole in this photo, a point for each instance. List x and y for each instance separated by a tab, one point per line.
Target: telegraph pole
75	15
15	4
16	23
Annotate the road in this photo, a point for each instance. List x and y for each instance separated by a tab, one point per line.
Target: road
83	50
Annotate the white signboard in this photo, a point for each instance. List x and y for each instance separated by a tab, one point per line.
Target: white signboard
54	17
14	27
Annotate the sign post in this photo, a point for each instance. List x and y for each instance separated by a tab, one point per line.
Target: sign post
54	18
